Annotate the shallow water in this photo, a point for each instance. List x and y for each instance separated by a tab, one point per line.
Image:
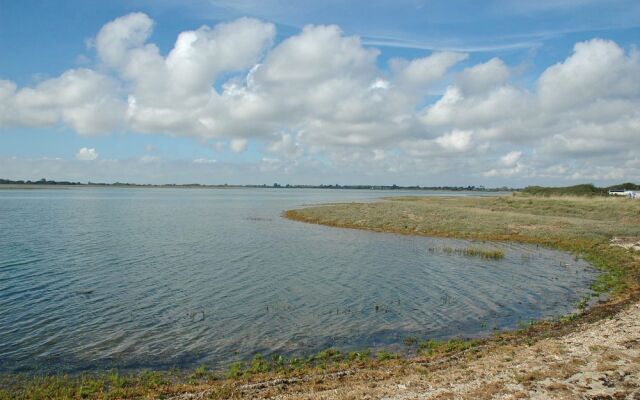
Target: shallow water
97	278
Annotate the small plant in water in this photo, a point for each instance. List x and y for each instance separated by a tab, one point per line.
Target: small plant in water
116	380
259	364
199	373
235	370
359	355
384	355
410	341
433	346
328	355
487	254
583	303
278	361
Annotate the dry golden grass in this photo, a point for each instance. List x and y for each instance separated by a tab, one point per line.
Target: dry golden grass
519	217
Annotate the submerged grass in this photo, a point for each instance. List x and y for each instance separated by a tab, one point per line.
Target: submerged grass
487	254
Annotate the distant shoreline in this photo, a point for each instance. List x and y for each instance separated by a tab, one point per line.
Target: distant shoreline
587	189
17	186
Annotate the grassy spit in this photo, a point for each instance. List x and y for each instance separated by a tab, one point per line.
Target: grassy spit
583	226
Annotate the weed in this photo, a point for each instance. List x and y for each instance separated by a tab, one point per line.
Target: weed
432	346
235	370
359	355
486	254
259	365
384	355
410	341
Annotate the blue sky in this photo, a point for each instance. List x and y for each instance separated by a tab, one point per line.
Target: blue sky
430	92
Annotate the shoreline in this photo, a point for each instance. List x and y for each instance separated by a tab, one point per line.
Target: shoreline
486	192
340	376
619	295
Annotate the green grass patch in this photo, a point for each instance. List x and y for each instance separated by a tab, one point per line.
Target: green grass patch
486	254
432	347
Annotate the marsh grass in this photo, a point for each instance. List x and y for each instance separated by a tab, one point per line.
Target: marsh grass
486	254
107	385
433	347
159	384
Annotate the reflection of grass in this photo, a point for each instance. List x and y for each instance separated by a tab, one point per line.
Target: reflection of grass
487	254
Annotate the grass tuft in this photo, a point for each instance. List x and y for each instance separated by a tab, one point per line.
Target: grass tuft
487	254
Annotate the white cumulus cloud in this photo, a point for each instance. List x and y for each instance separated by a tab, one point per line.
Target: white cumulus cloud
456	141
510	159
323	98
204	161
86	154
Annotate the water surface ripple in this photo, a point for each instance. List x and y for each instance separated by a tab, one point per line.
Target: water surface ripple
100	278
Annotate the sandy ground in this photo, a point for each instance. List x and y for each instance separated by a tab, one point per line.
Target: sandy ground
599	361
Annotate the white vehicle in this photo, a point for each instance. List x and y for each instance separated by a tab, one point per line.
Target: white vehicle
632	194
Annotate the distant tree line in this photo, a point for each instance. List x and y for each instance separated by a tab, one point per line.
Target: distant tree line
40	182
275	185
392	187
586	189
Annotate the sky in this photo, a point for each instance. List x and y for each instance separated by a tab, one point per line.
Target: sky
407	92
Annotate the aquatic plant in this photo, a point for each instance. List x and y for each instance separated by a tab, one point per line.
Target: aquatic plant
259	364
385	355
362	355
433	346
410	341
487	254
235	370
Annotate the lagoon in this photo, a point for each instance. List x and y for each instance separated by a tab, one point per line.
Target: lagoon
95	278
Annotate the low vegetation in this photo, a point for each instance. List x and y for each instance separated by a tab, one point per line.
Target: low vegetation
486	254
162	384
433	347
577	190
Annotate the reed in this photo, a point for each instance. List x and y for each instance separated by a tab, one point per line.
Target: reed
487	254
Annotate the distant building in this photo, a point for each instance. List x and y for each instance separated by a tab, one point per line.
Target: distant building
632	194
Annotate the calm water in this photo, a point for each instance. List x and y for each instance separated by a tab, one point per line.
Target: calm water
95	278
